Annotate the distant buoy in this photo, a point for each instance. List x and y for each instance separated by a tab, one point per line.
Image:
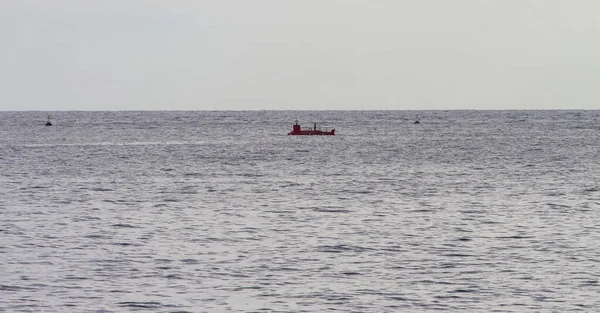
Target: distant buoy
417	122
48	121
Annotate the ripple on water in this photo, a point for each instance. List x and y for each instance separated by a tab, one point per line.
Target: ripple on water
331	210
141	304
189	261
123	225
14	288
340	248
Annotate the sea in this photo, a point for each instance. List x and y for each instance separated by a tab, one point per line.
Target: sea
222	211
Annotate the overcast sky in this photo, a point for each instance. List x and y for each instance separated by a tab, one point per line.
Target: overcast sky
299	54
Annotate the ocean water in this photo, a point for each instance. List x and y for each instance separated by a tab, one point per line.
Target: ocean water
469	211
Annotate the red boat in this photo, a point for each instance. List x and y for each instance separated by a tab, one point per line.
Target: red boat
308	131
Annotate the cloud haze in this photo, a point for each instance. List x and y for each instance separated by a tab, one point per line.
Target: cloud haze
273	54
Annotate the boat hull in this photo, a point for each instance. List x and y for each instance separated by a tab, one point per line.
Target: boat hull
312	133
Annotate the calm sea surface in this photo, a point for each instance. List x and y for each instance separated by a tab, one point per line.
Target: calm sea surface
470	211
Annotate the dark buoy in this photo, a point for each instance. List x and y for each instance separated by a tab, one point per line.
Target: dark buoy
417	122
48	121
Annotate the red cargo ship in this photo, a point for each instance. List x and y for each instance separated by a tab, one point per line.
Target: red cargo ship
308	131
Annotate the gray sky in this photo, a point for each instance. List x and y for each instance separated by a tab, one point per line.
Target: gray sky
308	54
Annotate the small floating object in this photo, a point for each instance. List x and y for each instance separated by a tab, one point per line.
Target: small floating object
311	131
48	123
418	120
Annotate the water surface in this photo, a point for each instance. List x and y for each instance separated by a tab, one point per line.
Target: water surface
470	211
